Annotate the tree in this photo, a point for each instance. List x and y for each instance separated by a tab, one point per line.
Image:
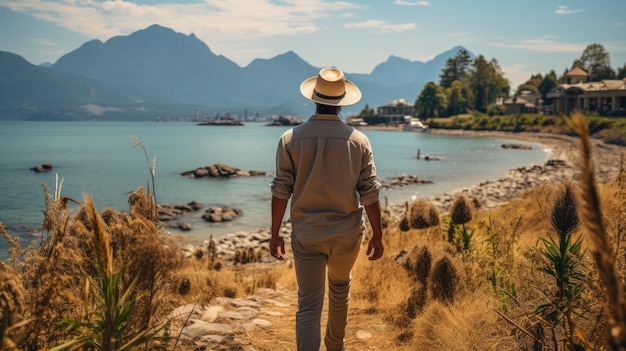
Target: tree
595	61
527	87
548	83
487	81
621	72
455	68
534	80
367	112
458	98
431	102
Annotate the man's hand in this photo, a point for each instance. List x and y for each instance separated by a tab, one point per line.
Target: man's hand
375	248
277	247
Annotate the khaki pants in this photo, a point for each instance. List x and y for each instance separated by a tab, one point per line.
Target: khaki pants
312	261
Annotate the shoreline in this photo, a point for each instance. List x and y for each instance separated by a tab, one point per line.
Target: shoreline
561	165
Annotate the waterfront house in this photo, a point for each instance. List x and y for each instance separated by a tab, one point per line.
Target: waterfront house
393	113
525	102
606	97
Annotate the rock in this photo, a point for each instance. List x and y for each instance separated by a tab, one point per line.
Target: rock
515	147
200	172
221	214
187	311
44	167
169	212
285	121
199	328
403	180
211	314
244	314
363	335
221	170
185	226
262	323
432	158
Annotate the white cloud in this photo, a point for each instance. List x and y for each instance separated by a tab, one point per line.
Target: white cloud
565	10
545	44
378	26
517	74
44	42
411	3
231	26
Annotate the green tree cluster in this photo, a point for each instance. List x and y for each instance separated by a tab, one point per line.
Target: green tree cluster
465	85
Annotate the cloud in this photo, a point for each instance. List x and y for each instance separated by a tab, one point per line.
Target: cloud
44	42
378	26
545	44
517	74
565	10
411	3
224	23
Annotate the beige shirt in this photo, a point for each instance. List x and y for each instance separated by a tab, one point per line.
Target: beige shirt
327	168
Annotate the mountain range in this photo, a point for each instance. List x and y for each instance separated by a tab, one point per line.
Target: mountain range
159	73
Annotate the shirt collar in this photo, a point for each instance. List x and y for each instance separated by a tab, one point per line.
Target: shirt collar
325	117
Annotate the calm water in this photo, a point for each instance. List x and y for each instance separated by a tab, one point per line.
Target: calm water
98	158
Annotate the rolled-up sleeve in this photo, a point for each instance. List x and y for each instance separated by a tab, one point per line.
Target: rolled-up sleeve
282	184
368	186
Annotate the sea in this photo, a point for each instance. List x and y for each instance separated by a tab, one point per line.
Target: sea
100	159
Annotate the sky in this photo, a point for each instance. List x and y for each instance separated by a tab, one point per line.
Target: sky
525	37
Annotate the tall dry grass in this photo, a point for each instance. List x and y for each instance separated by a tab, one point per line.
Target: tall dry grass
105	280
478	290
496	301
604	253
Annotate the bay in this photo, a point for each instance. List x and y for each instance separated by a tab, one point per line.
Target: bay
99	159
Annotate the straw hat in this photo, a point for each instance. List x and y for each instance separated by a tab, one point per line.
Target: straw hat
330	87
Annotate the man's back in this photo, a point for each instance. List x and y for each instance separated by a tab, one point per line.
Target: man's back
329	163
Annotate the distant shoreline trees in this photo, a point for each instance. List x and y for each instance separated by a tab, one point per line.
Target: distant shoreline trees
467	85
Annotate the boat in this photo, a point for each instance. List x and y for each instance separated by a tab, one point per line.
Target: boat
414	125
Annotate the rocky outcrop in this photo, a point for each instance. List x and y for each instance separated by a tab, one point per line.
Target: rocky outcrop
171	212
285	121
44	167
220	170
404	180
515	147
493	193
221	214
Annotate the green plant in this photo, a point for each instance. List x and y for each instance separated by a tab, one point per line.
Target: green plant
502	287
104	324
563	262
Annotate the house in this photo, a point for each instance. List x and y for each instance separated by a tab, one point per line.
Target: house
393	113
525	102
606	97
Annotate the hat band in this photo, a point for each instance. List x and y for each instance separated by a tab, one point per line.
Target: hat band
328	97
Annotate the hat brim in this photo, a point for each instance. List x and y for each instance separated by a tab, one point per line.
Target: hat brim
353	94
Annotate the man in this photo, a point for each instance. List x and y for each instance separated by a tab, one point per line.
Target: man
327	169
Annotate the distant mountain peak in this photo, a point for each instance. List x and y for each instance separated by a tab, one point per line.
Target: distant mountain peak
158	71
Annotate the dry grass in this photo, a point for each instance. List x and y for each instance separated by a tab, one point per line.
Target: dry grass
426	292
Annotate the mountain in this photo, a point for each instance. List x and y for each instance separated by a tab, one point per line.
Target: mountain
157	72
28	91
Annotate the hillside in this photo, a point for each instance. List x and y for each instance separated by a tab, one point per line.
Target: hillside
157	72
